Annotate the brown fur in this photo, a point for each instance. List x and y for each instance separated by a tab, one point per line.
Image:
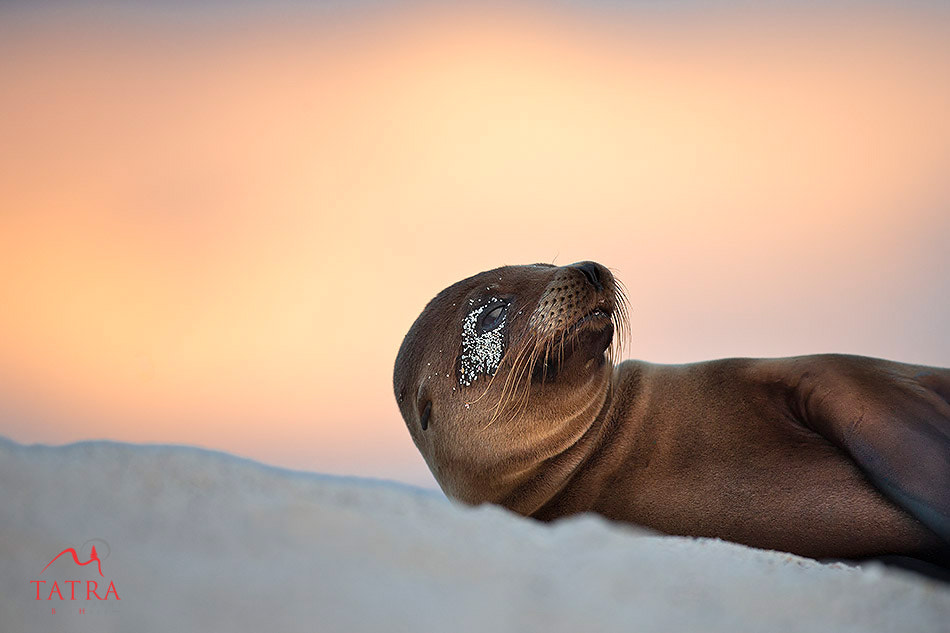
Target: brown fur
748	450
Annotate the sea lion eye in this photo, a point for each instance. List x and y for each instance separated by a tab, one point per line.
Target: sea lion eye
492	317
426	413
483	340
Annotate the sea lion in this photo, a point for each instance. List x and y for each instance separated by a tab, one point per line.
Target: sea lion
507	385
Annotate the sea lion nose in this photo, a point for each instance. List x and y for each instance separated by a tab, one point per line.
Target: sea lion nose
592	271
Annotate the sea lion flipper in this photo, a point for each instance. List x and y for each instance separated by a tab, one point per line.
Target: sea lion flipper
896	426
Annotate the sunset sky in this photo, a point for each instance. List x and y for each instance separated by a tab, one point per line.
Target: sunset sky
217	226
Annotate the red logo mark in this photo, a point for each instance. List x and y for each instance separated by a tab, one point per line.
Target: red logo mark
93	556
92	586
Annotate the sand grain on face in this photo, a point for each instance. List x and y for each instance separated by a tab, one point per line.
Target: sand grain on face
481	351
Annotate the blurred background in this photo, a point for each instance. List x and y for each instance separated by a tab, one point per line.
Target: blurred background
217	223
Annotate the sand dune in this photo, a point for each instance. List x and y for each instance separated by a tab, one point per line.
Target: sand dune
193	540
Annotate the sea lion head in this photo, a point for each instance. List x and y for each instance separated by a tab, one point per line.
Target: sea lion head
506	369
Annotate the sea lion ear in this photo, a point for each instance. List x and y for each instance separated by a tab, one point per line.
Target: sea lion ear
426	414
423	406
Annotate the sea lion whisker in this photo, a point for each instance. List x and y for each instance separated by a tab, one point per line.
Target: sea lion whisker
506	386
524	360
488	387
507	391
516	372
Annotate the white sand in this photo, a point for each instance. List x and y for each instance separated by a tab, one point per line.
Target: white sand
203	541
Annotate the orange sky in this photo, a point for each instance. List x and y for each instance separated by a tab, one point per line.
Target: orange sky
216	232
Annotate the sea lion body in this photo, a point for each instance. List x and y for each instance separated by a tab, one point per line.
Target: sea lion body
723	448
822	456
